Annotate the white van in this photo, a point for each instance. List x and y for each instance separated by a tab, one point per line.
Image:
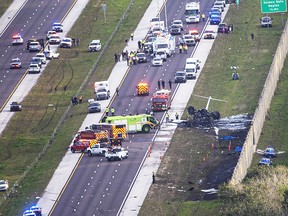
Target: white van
102	90
191	71
194	61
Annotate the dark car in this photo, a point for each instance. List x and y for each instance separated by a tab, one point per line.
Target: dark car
94	106
223	28
15	106
141	57
175	29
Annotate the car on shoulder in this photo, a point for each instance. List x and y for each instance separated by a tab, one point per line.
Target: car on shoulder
195	34
66	43
58	27
36	60
157	61
42	57
161	54
178	23
15	106
221	1
141	58
94	106
34	46
175	29
219	5
94	46
4	185
265	162
193	61
266	21
15	63
29	213
209	34
156	31
37	210
55	39
215	11
50	55
17	40
222	28
49	34
215	19
189	40
180	77
34	68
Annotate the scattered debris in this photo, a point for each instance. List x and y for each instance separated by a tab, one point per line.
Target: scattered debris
269	152
210	191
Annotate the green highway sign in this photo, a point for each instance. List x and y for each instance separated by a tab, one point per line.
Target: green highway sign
273	6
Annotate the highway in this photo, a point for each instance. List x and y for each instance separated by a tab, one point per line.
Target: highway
33	21
98	187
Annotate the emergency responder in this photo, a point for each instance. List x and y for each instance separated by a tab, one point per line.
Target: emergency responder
116	57
185	48
107	111
132	36
235	76
163	84
203	17
167	117
153	178
139	44
80	99
170	83
159	84
112	111
142	43
77	41
176	116
180	48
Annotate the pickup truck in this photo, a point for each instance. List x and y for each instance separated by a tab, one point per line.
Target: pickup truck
98	149
117	154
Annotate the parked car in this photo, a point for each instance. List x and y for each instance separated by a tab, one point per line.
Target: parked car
36	210
49	55
34	68
95	45
17	40
36	60
195	34
157	61
15	106
94	106
35	46
180	77
141	57
66	43
50	33
42	57
265	161
219	5
178	23
209	34
15	63
29	213
55	39
58	27
266	21
4	186
189	40
175	29
222	28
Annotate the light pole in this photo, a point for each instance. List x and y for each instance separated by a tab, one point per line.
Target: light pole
165	11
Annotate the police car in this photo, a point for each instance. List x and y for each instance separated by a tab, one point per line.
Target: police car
17	40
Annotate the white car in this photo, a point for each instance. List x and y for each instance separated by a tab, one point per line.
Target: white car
193	61
34	46
157	61
49	33
66	43
17	39
4	185
209	34
42	57
29	213
49	55
221	1
58	27
189	40
178	23
95	45
34	68
219	5
54	39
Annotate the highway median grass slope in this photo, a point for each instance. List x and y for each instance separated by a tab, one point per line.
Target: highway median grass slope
29	130
190	160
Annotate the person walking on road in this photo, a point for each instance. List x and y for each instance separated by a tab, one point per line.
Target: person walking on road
163	84
107	111
180	48
170	83
112	111
159	84
176	116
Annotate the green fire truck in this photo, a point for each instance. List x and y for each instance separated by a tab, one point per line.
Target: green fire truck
134	123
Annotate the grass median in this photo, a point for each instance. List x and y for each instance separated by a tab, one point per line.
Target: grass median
29	130
190	160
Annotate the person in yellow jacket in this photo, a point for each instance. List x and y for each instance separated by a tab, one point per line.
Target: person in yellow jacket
180	48
185	48
203	17
107	111
112	111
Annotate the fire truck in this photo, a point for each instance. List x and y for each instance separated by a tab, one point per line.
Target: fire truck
161	100
142	89
116	132
88	138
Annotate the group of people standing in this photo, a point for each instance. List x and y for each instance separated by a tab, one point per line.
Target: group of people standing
161	83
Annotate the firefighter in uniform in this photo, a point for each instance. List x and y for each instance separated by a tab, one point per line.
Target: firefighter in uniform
203	17
107	111
112	111
180	48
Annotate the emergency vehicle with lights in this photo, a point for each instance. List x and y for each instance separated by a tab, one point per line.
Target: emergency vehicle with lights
88	138
17	40
116	132
134	123
195	34
161	100
192	12
142	89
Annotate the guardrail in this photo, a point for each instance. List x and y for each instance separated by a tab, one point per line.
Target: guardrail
254	133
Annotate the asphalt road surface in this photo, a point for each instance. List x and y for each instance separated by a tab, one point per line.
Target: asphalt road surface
98	187
33	21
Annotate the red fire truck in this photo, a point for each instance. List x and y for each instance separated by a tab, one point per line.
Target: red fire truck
161	100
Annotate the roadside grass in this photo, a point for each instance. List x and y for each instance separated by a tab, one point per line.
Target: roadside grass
189	157
48	100
4	4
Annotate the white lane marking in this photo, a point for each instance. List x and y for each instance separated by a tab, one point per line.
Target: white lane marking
88	183
107	189
113	176
91	177
100	201
116	171
82	197
95	171
98	165
110	182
